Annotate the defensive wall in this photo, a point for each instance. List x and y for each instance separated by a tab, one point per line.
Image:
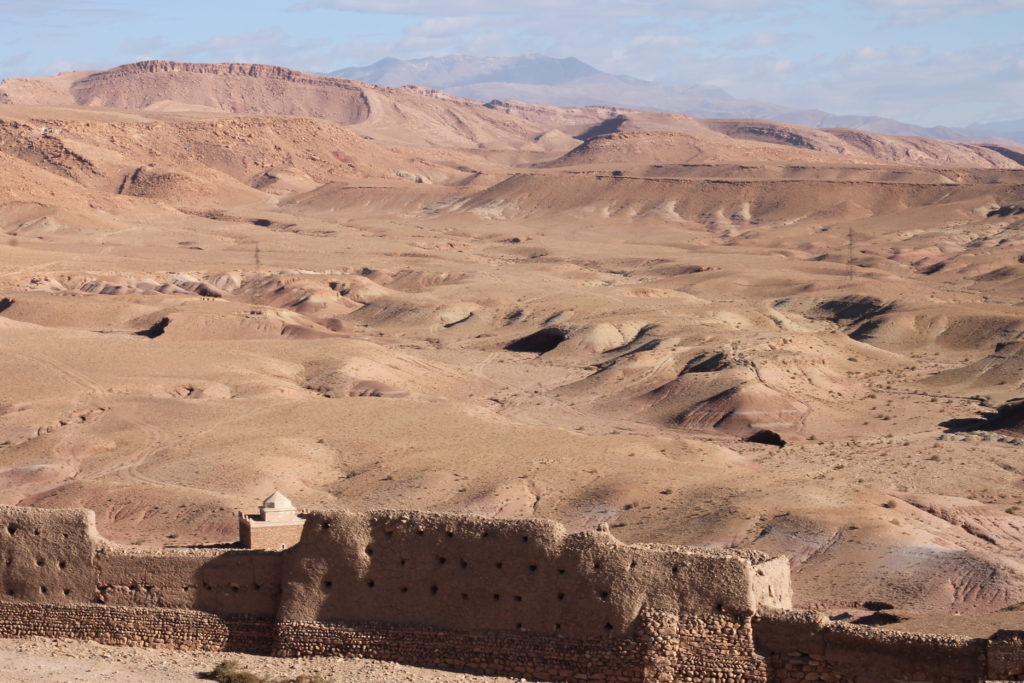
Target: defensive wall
513	597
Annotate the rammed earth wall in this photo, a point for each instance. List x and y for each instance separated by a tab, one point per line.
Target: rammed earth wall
522	598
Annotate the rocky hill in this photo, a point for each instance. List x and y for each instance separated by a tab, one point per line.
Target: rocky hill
417	116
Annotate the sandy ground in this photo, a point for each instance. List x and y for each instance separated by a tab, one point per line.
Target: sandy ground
66	661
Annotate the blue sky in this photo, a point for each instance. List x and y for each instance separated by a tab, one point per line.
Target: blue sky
931	62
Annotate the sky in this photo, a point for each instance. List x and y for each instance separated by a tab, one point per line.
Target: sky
929	62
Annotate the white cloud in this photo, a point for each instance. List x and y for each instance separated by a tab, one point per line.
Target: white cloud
267	46
663	41
762	40
604	8
907	83
447	26
40	6
54	9
10	61
60	66
913	11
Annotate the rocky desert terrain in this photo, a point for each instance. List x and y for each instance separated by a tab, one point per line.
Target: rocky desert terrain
221	280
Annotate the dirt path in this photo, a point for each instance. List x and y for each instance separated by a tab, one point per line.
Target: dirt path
65	661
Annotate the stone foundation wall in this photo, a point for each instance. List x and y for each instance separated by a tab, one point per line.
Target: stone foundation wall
1006	656
803	646
711	649
533	656
140	626
715	648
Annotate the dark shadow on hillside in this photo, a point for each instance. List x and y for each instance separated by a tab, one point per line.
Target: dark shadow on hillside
156	330
878	619
964	424
1007	417
766	437
543	341
606	127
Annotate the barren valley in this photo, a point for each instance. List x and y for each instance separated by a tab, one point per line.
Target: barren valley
221	280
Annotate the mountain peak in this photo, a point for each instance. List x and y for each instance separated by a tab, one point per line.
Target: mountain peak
463	70
541	79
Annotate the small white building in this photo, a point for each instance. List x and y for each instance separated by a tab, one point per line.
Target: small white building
276	527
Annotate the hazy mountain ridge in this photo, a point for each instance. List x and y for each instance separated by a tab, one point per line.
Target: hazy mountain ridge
547	80
456	70
569	82
1011	129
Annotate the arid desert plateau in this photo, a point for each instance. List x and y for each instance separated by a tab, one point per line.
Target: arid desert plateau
221	280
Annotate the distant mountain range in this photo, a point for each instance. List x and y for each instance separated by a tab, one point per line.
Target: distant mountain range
569	82
1008	129
563	82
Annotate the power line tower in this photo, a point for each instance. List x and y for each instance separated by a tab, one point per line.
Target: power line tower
849	253
256	257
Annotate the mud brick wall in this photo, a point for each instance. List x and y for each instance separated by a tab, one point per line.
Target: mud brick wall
47	556
139	626
523	597
803	646
513	597
519	597
466	573
57	557
233	582
268	536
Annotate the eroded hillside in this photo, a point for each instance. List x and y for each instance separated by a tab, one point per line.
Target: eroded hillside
404	299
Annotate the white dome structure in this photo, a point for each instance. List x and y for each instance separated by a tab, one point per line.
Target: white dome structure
276	527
